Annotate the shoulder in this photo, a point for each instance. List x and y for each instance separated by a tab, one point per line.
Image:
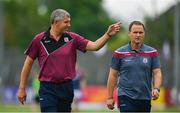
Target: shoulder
148	48
122	51
149	51
39	36
73	35
124	48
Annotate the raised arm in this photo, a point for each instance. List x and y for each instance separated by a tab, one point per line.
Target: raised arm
99	43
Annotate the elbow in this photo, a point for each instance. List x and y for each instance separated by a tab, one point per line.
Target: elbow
94	46
96	49
93	49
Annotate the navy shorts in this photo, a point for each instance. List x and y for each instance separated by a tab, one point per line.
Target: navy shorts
126	104
56	97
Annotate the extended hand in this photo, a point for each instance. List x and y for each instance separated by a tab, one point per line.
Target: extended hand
113	29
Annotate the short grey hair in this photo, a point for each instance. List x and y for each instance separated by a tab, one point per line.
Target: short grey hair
58	14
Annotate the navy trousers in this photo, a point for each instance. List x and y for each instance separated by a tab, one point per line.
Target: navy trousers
56	97
127	104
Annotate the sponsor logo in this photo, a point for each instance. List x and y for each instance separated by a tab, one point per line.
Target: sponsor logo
127	60
47	41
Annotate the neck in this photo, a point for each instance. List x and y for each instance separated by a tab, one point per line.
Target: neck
55	33
135	46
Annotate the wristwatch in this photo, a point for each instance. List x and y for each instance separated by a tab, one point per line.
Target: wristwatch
157	89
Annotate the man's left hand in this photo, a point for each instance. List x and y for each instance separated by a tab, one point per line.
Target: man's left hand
113	29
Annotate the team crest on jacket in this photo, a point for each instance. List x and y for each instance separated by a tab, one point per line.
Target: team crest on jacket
145	60
66	39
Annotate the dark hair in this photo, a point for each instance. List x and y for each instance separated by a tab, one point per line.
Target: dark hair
136	23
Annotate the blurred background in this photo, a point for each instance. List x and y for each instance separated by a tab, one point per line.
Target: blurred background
21	20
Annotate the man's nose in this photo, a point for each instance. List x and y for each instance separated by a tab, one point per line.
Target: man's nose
137	34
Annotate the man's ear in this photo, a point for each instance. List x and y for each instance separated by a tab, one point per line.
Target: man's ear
129	33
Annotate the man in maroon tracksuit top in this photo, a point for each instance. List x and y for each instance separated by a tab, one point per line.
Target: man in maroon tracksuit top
56	53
